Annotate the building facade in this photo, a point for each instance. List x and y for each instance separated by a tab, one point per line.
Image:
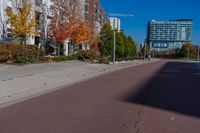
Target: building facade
169	35
90	10
40	10
3	25
100	17
93	13
115	23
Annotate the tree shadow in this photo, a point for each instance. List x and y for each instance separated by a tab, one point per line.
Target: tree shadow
175	87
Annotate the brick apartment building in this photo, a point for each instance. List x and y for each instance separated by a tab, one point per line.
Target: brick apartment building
94	14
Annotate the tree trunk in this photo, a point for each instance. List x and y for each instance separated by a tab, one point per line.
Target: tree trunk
23	40
58	50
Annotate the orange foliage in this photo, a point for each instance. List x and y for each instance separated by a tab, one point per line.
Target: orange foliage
94	41
70	25
23	22
82	32
65	20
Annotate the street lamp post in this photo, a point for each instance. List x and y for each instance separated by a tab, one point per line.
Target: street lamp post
114	44
114	48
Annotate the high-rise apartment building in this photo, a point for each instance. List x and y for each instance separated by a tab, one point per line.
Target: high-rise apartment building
93	13
115	23
100	17
169	35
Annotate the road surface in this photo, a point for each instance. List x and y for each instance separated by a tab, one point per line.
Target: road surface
19	83
161	97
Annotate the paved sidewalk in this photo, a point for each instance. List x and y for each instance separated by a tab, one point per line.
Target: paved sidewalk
18	83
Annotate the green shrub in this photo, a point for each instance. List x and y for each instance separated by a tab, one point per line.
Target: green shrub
63	58
105	60
24	59
15	52
87	55
45	59
4	54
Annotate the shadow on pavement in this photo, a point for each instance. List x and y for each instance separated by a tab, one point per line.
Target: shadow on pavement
176	88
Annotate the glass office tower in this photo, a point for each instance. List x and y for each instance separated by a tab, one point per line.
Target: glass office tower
169	35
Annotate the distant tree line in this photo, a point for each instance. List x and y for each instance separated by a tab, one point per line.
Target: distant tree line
187	50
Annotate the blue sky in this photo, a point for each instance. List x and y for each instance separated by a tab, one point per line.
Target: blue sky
145	10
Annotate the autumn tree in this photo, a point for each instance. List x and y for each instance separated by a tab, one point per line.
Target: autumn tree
22	19
186	49
65	21
94	41
82	34
85	35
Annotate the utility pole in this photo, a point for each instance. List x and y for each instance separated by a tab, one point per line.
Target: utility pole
114	48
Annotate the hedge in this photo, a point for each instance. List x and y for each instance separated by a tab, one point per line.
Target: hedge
15	52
